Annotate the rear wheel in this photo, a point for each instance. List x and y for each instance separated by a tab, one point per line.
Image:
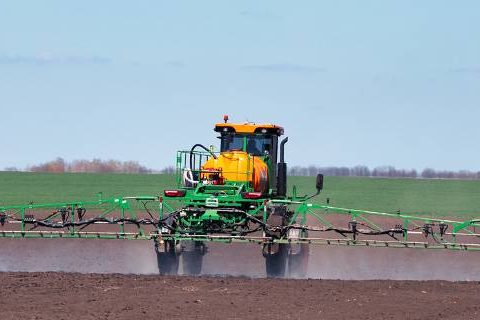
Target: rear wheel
298	256
192	257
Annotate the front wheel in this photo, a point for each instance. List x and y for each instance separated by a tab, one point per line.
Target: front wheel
167	257
192	257
275	259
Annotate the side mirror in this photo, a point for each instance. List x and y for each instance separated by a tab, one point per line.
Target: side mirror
319	183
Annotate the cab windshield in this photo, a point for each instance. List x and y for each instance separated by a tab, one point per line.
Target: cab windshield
254	144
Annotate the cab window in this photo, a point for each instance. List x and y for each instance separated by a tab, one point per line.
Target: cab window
256	144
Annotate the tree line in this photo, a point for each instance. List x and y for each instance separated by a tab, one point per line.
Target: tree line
59	165
384	171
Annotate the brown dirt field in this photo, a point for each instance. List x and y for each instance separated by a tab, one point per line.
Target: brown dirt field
325	262
95	296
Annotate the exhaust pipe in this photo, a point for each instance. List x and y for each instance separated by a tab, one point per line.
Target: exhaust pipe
282	171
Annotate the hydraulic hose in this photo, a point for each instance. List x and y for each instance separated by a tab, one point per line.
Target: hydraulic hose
204	148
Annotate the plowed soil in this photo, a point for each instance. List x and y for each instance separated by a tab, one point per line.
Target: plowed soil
94	296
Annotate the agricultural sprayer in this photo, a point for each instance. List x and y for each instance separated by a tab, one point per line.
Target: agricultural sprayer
238	194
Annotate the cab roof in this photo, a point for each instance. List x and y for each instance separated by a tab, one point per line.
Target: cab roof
249	128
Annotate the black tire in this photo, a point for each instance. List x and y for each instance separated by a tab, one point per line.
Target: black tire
276	254
275	260
298	262
167	259
192	257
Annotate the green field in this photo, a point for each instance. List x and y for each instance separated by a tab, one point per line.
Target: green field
429	197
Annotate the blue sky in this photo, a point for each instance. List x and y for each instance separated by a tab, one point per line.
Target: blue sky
353	82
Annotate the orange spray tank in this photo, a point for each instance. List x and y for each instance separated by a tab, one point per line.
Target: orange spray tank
237	166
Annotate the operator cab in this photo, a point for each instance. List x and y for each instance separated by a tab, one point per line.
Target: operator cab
260	140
